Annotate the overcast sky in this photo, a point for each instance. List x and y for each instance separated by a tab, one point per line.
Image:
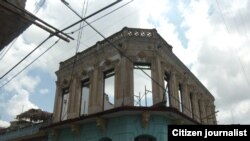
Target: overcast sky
210	37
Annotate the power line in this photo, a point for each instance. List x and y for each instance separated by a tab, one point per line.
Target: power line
78	38
91	15
26	56
34	20
241	64
29	64
124	55
7	49
97	19
56	33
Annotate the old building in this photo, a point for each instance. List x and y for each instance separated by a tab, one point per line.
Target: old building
98	95
129	86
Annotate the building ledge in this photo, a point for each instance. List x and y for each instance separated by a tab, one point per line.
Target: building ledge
168	112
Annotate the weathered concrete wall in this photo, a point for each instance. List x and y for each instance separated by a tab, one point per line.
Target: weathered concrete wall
135	46
124	128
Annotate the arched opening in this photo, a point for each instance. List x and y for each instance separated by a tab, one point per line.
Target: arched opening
145	138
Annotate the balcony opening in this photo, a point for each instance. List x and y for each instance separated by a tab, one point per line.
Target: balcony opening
84	108
65	103
142	85
180	98
167	89
109	90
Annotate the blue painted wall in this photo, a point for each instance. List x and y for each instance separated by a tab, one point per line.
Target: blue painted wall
124	128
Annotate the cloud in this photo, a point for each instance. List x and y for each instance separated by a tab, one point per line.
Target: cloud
17	95
216	49
19	103
4	124
23	81
43	91
220	58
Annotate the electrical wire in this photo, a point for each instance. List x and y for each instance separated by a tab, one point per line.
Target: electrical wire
78	39
241	64
9	47
137	67
26	56
124	55
53	34
28	64
97	19
20	28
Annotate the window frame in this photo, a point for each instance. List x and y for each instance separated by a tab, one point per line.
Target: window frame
180	98
108	74
167	93
143	66
85	82
65	91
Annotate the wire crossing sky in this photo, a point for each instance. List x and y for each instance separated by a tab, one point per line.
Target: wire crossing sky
210	37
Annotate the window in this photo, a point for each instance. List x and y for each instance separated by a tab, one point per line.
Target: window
142	85
167	89
109	90
191	104
84	108
145	138
180	98
65	103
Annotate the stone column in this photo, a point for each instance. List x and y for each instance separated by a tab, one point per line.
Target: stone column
57	102
129	84
77	97
96	96
214	121
203	112
124	83
208	109
119	79
211	119
158	76
196	112
173	91
185	98
72	93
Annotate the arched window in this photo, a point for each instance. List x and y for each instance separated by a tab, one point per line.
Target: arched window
145	138
105	139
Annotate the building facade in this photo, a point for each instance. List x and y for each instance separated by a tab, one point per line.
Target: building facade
128	87
99	98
